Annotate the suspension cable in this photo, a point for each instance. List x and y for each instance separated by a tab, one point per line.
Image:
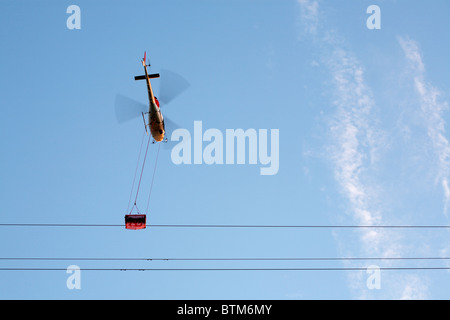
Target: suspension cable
153	177
142	171
135	172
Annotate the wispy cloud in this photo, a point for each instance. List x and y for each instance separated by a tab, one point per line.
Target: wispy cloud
353	133
309	15
356	144
355	137
432	112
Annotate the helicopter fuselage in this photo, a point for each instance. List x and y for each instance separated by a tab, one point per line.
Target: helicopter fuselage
156	122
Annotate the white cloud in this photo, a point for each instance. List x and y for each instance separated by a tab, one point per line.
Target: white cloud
415	289
412	53
309	15
356	143
432	112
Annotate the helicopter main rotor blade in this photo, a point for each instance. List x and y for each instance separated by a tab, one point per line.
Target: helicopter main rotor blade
128	109
172	85
170	127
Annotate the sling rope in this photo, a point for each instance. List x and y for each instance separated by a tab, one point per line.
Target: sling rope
142	171
135	172
140	177
153	178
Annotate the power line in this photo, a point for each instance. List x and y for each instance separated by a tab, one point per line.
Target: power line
293	226
58	225
225	226
229	269
221	259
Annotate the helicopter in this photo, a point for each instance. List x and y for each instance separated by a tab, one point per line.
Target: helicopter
128	109
171	86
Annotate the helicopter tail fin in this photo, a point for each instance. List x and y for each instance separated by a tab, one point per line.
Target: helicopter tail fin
144	60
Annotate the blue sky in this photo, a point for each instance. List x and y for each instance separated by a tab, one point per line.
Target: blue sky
363	140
